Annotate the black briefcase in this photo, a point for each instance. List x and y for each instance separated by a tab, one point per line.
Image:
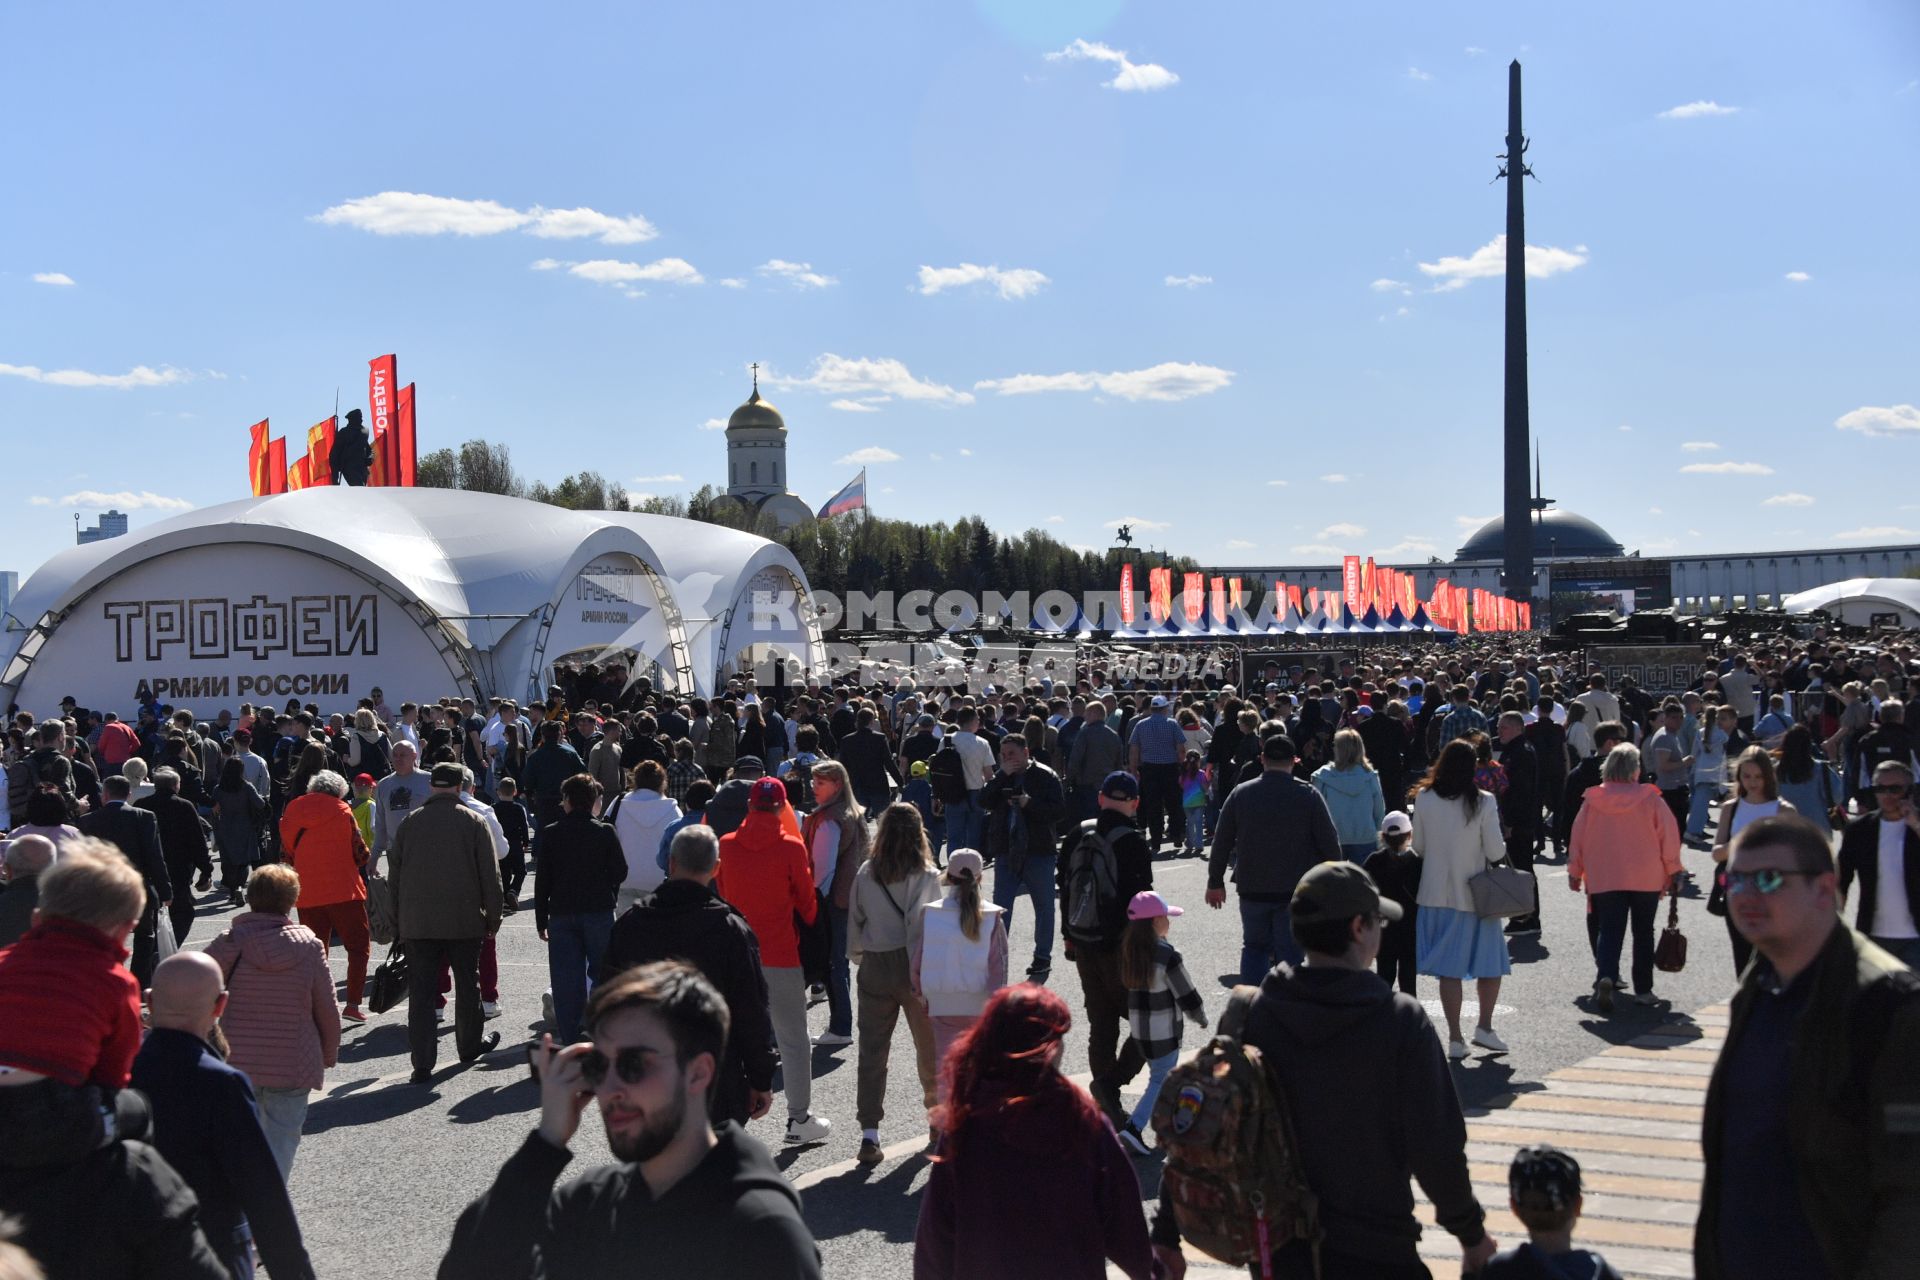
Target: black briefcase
388	986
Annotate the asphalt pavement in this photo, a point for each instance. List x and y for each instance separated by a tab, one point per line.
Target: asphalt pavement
385	1166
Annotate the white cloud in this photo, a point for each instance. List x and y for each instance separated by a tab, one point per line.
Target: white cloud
1013	283
1655	511
407	213
1624	427
848	375
1056	519
1470	524
138	376
862	457
1131	77
1489	262
1169	381
667	479
1700	446
1188	282
966	453
1910	86
1474	51
800	275
614	271
1239	544
1798	277
1276	484
1415	73
887	489
124	500
853	406
1334	477
547	264
53	277
731	282
934	457
1316	549
1344	529
1726	469
1411	545
714	424
1877	533
1140	522
1788	500
1384	285
1869	420
1696	110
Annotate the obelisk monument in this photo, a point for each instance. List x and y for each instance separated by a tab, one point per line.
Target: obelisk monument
1517	553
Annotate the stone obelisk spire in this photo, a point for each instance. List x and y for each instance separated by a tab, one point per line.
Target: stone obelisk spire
1517	554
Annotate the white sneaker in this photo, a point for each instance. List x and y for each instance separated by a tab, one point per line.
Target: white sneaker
1457	1050
812	1129
439	1015
1486	1039
1645	997
489	1009
831	1040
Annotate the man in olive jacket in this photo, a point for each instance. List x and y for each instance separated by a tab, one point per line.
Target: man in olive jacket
447	899
1812	1129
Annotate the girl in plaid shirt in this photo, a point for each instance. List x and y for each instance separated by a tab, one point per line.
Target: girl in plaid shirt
1158	993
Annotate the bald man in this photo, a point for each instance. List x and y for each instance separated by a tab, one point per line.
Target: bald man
27	857
206	1124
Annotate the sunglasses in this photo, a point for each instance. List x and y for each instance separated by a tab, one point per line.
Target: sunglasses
1893	788
1763	882
630	1065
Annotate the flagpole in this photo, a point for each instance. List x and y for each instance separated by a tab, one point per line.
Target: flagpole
866	503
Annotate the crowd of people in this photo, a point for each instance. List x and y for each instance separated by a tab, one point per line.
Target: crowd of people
704	869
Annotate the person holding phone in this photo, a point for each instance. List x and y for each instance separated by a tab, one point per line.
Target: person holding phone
690	1197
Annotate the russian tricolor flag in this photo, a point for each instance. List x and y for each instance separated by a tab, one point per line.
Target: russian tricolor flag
851	498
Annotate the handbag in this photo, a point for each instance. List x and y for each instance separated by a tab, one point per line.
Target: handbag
816	940
1501	891
164	943
383	926
1670	953
388	986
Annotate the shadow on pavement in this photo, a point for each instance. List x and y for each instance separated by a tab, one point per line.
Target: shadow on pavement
1479	1081
388	1040
859	1201
519	1098
371	1107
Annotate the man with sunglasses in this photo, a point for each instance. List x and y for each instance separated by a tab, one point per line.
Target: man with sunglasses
1882	851
1811	1135
685	1199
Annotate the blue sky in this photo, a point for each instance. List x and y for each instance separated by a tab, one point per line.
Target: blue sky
1199	250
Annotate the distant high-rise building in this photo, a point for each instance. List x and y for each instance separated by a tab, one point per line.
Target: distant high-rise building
112	524
9	584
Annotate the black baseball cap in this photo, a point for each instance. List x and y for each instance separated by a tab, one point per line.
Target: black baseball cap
1278	747
448	774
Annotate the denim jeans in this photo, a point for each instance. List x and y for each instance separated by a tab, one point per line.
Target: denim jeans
576	944
839	976
1157	1069
1197	827
1356	853
1036	881
283	1112
1706	798
1613	913
1266	939
966	823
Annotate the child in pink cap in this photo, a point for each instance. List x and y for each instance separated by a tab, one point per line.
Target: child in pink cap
1158	993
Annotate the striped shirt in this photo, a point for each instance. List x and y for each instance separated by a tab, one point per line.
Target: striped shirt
1153	1013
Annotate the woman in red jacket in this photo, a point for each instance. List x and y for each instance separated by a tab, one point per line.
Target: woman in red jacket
319	834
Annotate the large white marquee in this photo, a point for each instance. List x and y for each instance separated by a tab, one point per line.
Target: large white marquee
324	594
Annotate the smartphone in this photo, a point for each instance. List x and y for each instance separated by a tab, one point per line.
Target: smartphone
533	1062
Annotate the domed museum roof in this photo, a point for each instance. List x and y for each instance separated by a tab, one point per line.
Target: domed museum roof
1559	534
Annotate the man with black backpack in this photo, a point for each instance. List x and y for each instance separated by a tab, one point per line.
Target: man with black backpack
1367	1102
1105	865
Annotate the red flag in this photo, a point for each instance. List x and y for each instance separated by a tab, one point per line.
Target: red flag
1313	599
276	476
1218	600
297	474
1194	595
320	452
1126	594
1293	597
1369	584
1233	593
1159	594
404	442
1350	578
257	459
382	378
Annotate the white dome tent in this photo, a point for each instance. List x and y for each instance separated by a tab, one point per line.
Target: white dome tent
1860	602
323	594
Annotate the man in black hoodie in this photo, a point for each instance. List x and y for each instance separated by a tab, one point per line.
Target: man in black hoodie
1366	1081
684	919
686	1199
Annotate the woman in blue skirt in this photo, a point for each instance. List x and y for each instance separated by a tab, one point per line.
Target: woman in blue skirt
1456	828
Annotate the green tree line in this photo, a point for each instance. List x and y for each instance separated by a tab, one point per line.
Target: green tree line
850	552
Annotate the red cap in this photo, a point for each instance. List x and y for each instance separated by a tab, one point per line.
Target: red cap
767	795
362	779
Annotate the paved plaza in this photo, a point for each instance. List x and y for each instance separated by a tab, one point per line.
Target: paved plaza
385	1166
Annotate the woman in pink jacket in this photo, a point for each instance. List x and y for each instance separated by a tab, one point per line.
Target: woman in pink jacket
1625	853
282	1023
